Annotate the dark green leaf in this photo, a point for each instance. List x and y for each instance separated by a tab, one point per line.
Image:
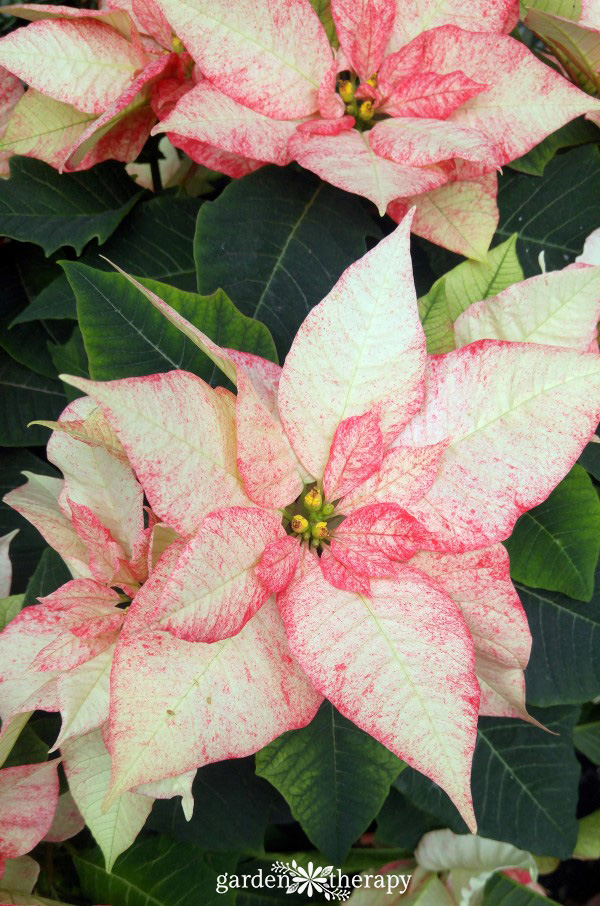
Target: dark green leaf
503	891
28	749
276	242
586	737
27	546
40	205
50	573
564	666
590	459
401	823
556	544
55	302
155	240
334	777
553	213
26	396
125	336
71	358
156	872
26	344
578	132
524	784
220	791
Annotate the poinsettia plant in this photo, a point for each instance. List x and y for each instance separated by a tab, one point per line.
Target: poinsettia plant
331	530
300	528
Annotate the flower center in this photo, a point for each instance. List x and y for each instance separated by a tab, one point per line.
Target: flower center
360	98
309	517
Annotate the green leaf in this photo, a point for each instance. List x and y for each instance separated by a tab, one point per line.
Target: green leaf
156	872
323	11
155	240
578	132
524	784
9	608
26	344
564	666
590	459
125	336
556	544
469	282
586	737
71	358
40	205
503	891
588	839
554	213
50	573
28	749
569	9
220	791
276	242
401	823
334	777
25	397
26	548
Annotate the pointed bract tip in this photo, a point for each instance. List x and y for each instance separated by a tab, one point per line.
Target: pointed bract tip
74	381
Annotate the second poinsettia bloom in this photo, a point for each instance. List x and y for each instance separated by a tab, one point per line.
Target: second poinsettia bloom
369	488
418	99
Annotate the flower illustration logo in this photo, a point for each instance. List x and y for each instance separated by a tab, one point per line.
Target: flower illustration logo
312	879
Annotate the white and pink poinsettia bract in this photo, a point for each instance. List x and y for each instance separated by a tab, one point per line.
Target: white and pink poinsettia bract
368	488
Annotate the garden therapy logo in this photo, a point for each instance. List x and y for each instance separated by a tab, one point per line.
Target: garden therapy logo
314	879
333	885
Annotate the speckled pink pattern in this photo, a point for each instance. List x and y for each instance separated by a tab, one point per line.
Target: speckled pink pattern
28	797
367	654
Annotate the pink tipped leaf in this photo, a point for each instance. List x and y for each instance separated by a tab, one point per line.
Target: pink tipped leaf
96	477
179	705
348	161
180	438
37	501
270	55
364	28
461	216
520	412
398	664
85	63
479	583
370	346
427	94
417	16
418	142
356	453
405	474
207	115
526	99
560	308
213	589
127	121
278	563
119	19
28	797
